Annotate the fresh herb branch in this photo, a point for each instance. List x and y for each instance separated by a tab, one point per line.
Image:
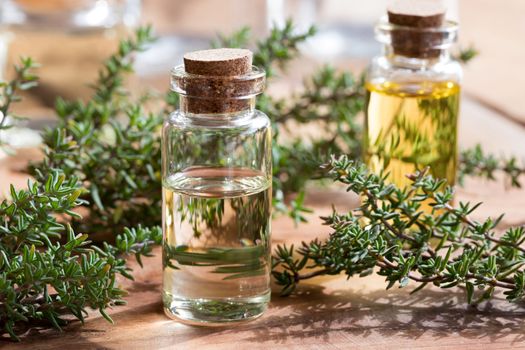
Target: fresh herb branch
465	55
393	231
47	271
476	163
280	47
112	145
273	52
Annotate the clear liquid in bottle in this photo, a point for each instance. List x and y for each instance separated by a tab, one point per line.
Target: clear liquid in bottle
216	251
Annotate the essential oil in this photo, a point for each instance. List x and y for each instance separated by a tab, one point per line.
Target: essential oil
411	126
216	249
413	94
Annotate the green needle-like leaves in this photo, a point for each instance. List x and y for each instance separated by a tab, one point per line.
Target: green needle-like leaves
47	271
475	162
412	235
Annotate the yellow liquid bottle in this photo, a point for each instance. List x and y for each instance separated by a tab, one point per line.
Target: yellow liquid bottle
412	102
411	126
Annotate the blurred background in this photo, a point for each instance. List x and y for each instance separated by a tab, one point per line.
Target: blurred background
70	38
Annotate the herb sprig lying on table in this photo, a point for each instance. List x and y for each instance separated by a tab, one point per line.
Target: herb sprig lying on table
394	231
47	270
476	163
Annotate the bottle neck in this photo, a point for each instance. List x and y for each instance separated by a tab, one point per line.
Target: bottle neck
416	63
221	108
416	48
217	96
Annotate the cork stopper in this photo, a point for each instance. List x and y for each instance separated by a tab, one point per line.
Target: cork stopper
217	81
219	62
416	14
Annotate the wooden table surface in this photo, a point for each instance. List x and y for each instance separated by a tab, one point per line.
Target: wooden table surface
333	312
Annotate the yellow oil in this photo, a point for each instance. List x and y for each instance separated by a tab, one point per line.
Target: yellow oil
409	126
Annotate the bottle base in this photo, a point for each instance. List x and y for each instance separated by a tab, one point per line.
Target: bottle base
215	312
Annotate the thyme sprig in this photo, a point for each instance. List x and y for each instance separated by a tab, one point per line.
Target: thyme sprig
47	270
273	52
475	162
280	47
331	101
112	145
410	235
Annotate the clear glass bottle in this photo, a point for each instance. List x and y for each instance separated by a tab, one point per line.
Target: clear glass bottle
412	102
216	200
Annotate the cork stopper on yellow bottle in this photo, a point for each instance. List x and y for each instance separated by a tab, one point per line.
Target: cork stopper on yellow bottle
418	16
